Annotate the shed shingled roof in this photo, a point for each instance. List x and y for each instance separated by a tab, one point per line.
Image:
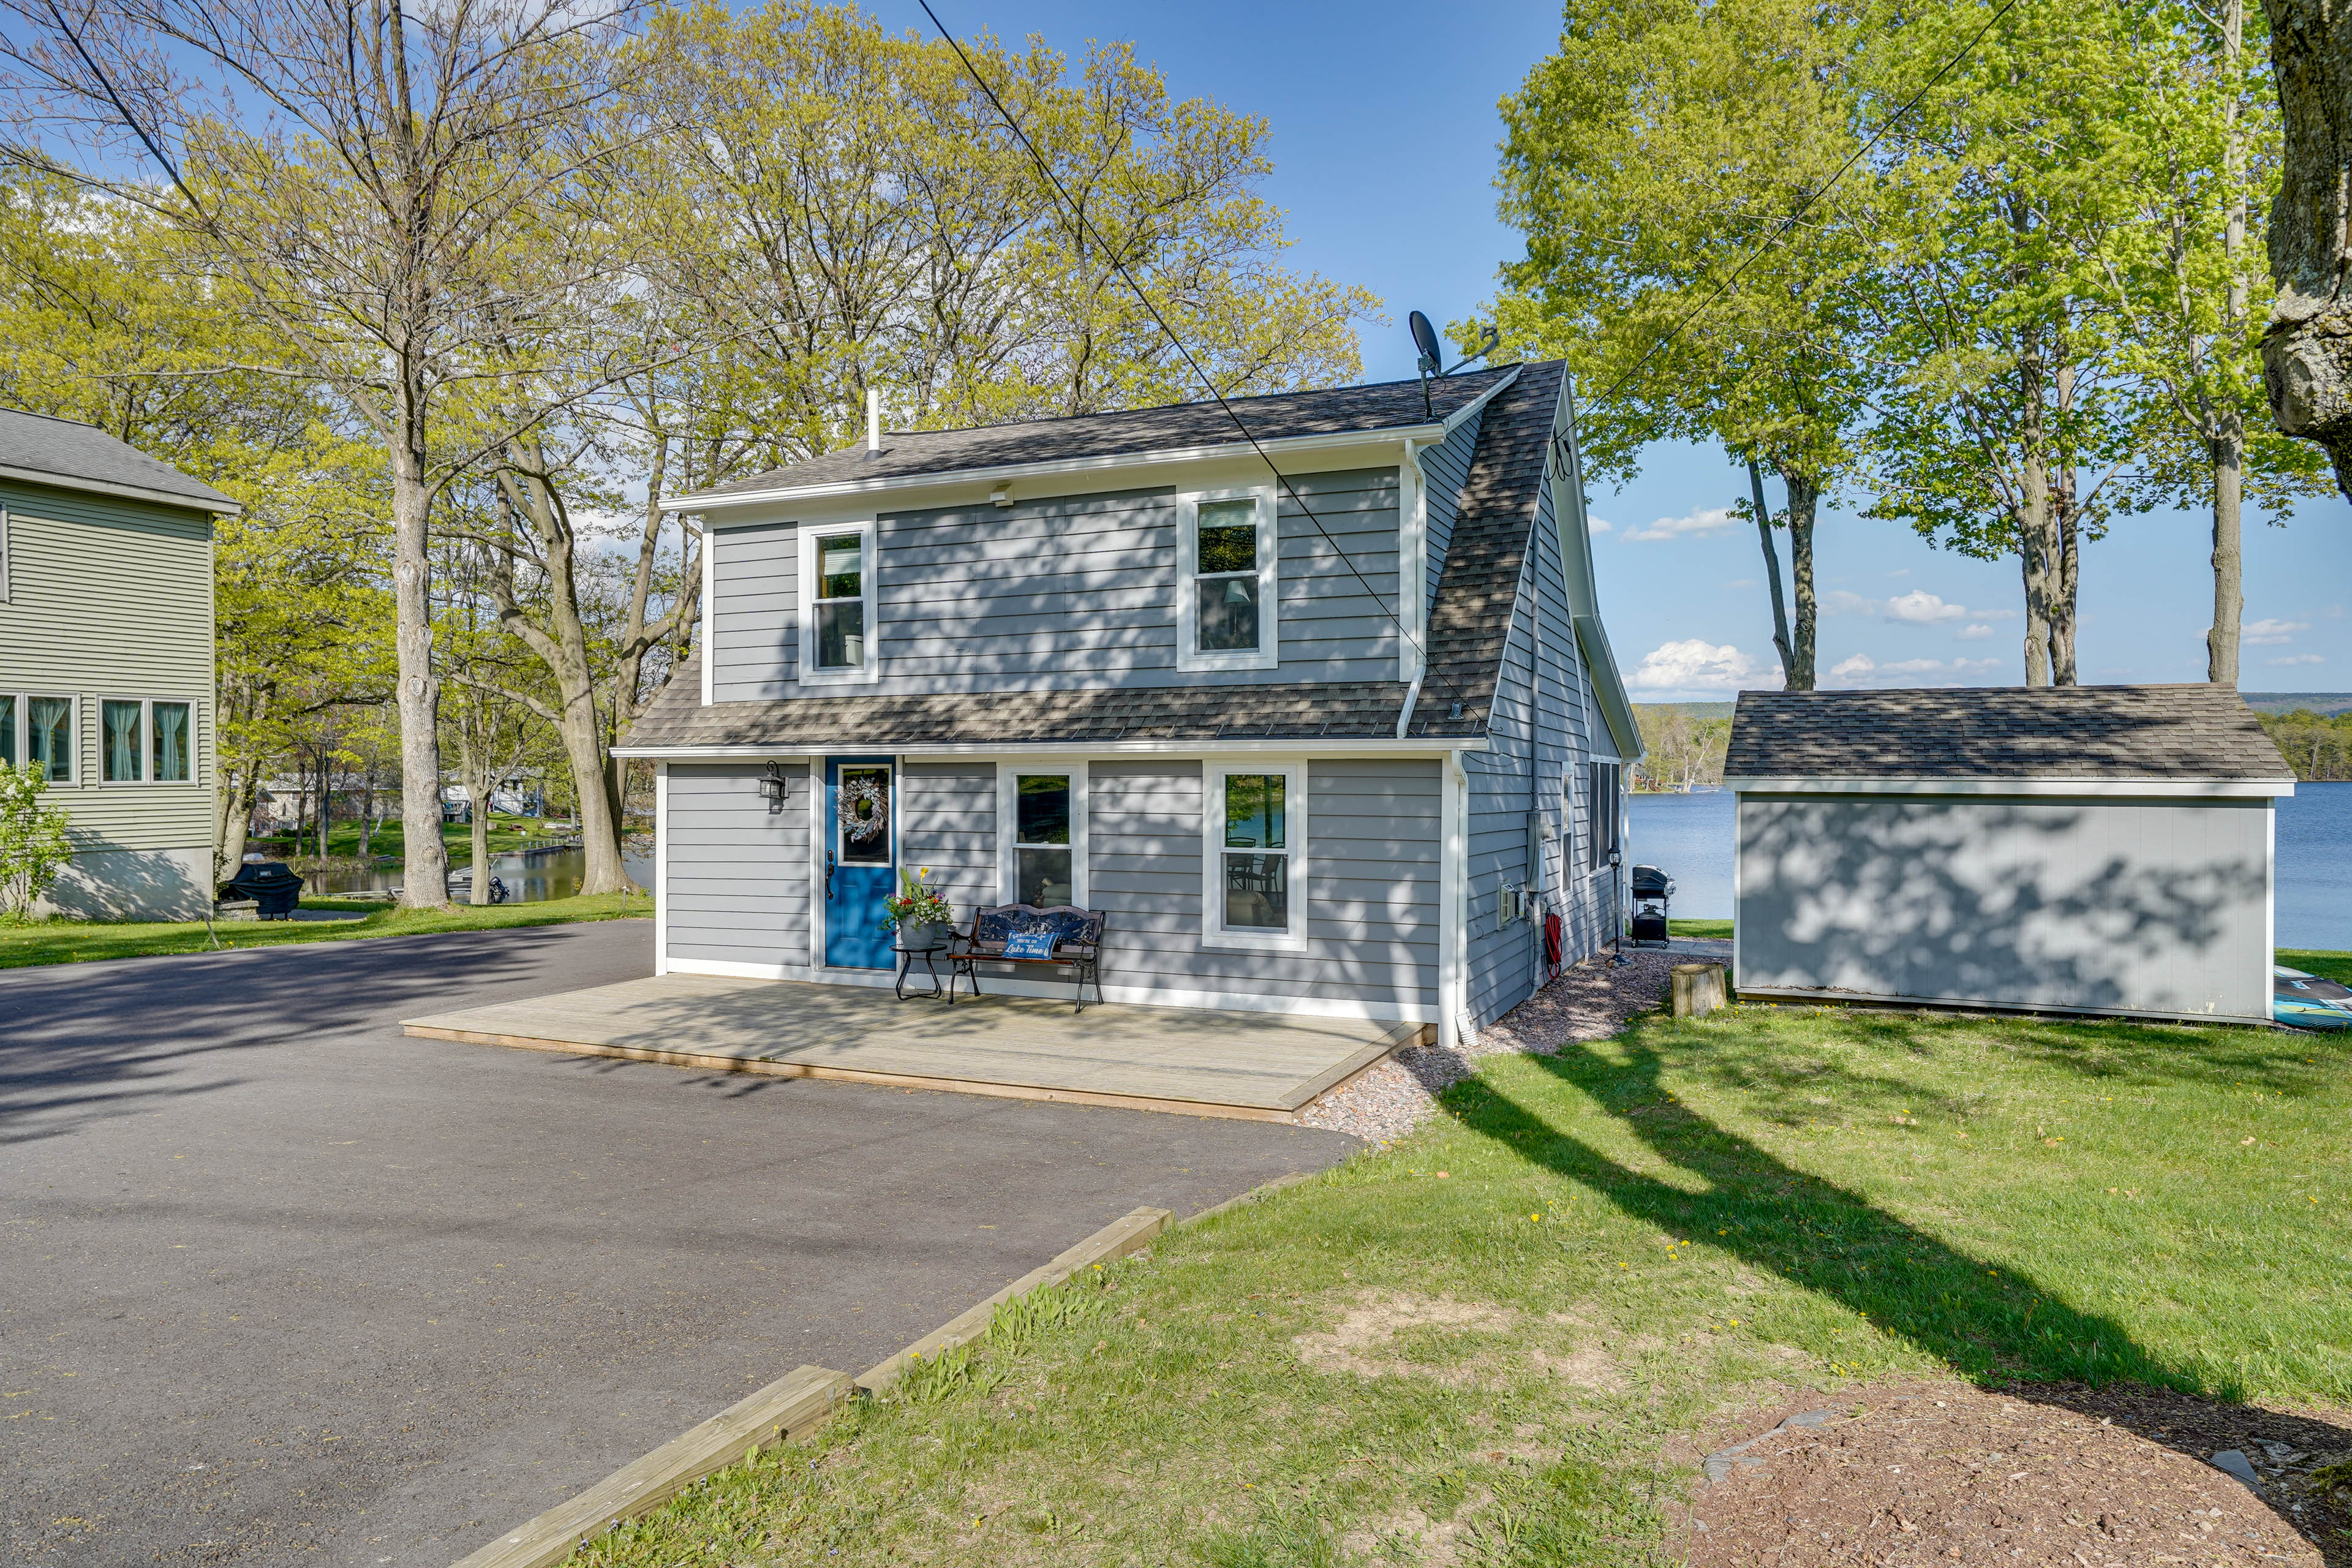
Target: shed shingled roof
1468	625
75	456
1277	416
2093	732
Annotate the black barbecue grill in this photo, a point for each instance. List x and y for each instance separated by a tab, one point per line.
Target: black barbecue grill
274	889
1651	889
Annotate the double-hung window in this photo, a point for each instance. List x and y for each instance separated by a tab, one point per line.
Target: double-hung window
1228	581
1042	824
146	740
1253	853
836	582
48	730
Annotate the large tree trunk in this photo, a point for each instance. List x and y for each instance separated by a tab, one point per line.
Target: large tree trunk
425	859
2064	514
2307	348
236	791
1772	577
2228	572
1804	496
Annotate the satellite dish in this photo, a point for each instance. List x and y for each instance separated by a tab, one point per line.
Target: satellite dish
1425	338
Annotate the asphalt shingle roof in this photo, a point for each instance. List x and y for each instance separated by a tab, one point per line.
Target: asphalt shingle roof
74	455
1468	623
1333	411
2093	732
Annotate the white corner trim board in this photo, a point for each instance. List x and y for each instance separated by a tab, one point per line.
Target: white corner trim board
2142	788
661	869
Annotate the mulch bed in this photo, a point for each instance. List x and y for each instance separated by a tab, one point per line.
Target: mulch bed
1939	1473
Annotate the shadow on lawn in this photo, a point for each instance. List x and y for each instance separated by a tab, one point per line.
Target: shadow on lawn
1990	1323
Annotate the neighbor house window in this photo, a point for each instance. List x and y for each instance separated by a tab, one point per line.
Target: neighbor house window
1226	550
49	736
121	740
8	748
1042	808
837	586
1254	850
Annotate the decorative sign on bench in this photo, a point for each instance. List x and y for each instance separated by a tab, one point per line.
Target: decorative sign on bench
1030	945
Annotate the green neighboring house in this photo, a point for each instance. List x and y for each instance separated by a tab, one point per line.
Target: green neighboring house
106	659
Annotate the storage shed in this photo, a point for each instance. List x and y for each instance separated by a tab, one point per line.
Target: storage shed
2081	848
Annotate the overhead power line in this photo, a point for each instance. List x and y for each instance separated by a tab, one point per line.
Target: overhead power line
1803	206
1079	218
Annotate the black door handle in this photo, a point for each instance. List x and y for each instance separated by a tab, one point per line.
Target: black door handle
828	875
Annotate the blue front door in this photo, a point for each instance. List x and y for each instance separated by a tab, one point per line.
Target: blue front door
860	861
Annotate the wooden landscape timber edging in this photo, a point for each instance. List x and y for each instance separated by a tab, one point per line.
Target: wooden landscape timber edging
1115	1239
786	1408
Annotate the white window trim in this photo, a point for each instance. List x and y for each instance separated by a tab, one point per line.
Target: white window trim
1008	822
146	779
24	735
1214	933
810	533
6	593
1267	655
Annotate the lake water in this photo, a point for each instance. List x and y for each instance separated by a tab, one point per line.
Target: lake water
1690	837
530	879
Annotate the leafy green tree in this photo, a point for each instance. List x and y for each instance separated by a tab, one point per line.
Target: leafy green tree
1664	165
33	845
2200	155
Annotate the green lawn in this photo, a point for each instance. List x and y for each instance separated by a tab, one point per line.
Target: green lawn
75	941
1721	929
1489	1333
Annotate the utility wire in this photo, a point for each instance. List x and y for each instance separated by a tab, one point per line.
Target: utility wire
1078	216
1790	221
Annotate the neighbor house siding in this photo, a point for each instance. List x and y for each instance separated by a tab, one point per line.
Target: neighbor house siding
1444	470
738	873
1073	591
110	597
2127	904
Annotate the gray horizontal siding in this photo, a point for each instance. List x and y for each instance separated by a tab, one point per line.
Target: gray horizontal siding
2151	905
737	868
1075	591
946	824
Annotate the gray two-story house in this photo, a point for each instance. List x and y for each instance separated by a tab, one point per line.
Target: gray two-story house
1322	718
106	661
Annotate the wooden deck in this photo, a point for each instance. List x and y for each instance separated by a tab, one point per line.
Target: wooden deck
1258	1066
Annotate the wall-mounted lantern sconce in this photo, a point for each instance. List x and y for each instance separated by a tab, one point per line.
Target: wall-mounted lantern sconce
776	787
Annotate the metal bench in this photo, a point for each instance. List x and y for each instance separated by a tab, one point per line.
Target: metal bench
1078	941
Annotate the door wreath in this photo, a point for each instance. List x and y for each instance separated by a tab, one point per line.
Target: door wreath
864	808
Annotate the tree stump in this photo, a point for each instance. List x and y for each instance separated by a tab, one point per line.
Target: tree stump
1699	989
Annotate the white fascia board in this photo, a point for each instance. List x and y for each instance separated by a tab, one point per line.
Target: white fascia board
984	478
2143	788
107	487
1307	746
1461	417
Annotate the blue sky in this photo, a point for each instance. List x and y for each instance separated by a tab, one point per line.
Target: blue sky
1385	132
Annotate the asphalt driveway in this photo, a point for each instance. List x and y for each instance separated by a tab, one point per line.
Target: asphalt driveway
278	1283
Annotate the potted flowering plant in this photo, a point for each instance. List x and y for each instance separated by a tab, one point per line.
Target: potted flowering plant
916	912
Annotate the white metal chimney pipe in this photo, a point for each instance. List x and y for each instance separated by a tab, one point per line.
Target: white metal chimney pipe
873	419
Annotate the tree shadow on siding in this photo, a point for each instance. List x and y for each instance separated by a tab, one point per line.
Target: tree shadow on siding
1986	1321
1909	901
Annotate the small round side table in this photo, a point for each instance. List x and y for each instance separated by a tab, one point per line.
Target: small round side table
906	957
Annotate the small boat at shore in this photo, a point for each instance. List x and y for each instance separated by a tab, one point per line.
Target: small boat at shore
2308	1002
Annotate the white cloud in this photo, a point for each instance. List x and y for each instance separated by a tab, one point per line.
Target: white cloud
1862	669
2269	634
1921	608
2300	658
1977	632
1694	525
1900	572
1840	602
1693	665
1601	526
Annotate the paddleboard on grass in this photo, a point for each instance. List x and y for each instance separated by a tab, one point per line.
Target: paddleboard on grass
2308	1002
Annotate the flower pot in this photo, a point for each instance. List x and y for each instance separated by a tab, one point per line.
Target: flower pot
914	937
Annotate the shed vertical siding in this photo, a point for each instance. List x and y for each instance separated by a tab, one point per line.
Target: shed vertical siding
739	869
2110	903
1077	590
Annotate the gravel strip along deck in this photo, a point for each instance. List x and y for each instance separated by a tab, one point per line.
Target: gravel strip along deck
1589	1001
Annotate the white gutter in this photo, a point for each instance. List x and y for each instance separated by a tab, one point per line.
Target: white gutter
2139	787
1290	746
107	487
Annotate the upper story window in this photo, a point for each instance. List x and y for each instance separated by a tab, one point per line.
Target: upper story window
1253	855
1226	579
838	630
